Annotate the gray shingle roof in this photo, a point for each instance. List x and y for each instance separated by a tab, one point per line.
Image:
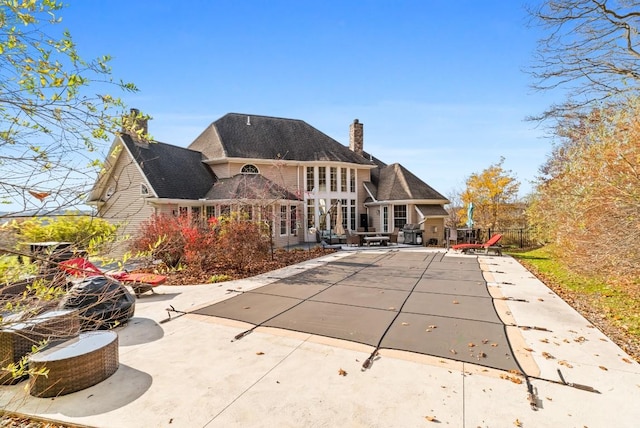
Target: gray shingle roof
398	183
248	186
433	210
265	137
173	172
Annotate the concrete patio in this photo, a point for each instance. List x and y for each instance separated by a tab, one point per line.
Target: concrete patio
187	371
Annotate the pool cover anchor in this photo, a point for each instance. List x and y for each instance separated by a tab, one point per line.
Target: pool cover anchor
367	363
243	334
576	385
169	310
532	395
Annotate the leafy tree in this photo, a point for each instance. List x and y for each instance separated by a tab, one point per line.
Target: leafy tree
50	126
591	50
84	231
493	192
588	196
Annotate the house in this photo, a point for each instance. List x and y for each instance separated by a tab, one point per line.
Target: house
281	171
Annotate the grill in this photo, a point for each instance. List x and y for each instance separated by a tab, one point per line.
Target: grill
412	232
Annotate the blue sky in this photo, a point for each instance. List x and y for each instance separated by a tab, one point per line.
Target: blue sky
439	86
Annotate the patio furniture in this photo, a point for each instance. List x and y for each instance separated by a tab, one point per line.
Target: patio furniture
487	246
381	240
393	238
140	282
17	339
353	239
75	364
101	302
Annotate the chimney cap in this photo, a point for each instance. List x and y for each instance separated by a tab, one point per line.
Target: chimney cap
356	121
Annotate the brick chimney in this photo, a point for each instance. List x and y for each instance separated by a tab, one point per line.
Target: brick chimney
356	137
135	125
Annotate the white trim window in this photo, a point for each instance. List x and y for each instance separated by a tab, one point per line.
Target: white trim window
283	219
250	169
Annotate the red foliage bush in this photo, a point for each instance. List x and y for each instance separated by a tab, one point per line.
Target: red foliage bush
162	236
225	244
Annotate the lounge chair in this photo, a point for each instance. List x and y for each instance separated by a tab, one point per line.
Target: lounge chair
487	246
140	282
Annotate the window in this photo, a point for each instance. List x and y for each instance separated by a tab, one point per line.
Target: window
311	178
385	219
345	213
293	221
399	216
352	218
211	211
183	211
352	180
322	179
343	179
283	219
144	190
196	214
250	169
110	191
311	213
225	210
333	171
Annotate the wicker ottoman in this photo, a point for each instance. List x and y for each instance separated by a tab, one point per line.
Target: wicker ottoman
75	364
17	339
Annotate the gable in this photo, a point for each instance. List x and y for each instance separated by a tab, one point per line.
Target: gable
173	172
263	137
398	183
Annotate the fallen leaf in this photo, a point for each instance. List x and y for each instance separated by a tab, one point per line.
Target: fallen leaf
495	345
540	299
259	353
565	363
481	355
471	344
544	340
517	423
453	351
548	356
433	326
626	360
342	372
485	341
580	339
247	307
431	418
428	330
405	323
603	368
391	308
511	378
455	302
528	349
514	371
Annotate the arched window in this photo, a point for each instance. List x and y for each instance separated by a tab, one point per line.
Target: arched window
250	169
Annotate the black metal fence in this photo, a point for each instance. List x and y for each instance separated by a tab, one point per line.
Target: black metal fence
518	238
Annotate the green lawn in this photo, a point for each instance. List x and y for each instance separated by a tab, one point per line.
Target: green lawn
620	305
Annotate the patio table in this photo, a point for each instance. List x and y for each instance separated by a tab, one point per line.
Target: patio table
75	364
